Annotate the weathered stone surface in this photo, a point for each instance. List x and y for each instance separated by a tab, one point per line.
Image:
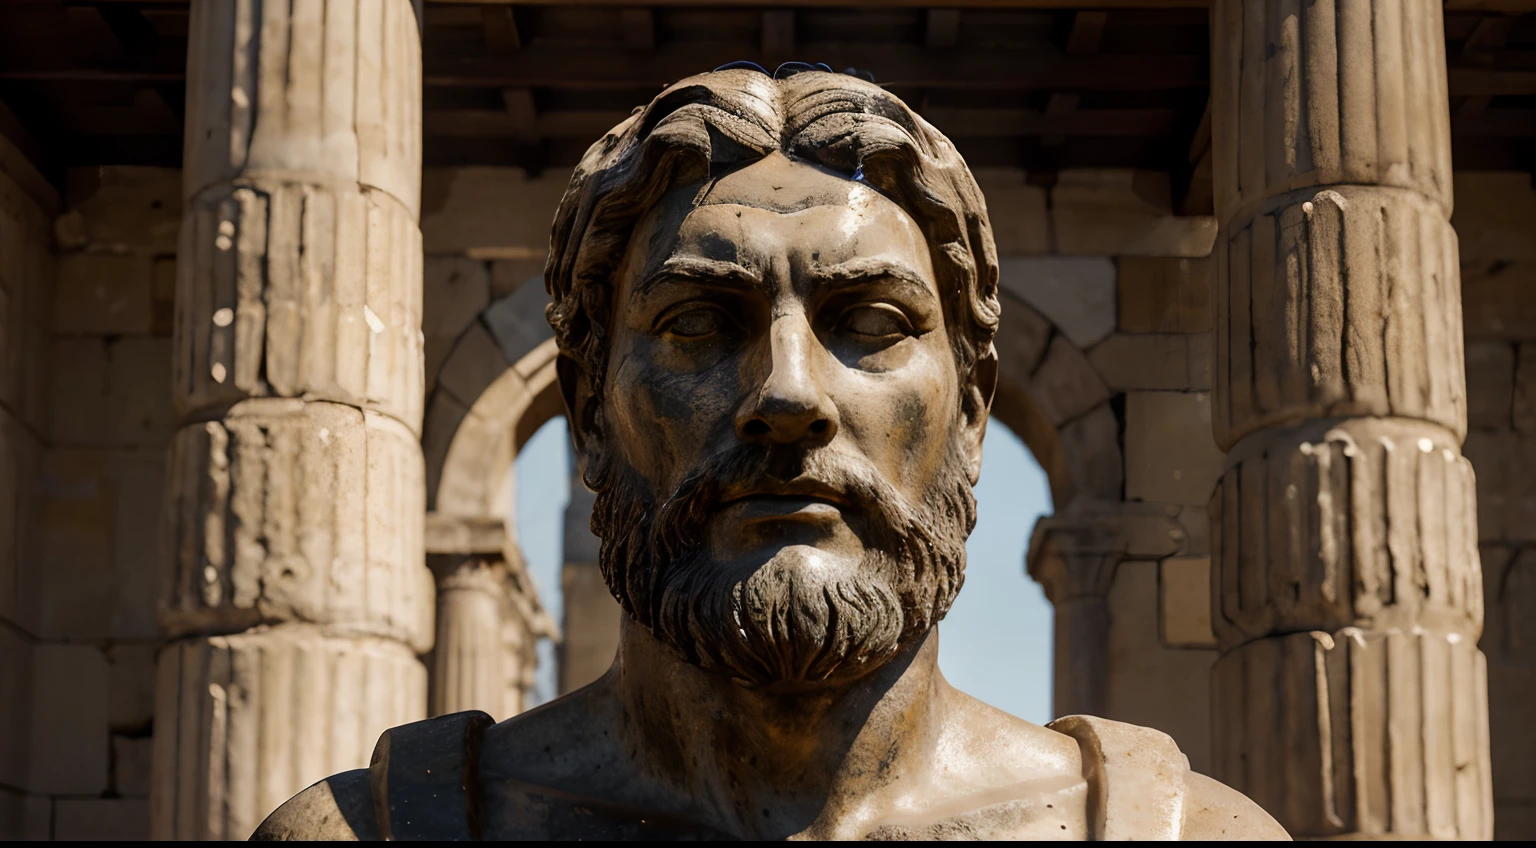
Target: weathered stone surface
289	290
1343	302
1114	212
1496	301
472	668
1150	684
101	819
1167	457
27	277
1020	224
1312	95
131	764
1506	496
518	323
1511	688
131	705
1066	385
335	537
163	297
508	275
1368	732
103	293
1491	386
1147	361
1184	595
1524	403
121	209
465	211
475	362
1363	522
1511	594
1076	294
25	817
1494	211
1161	295
1091	445
253	110
251	719
15	707
110	391
70	747
457	290
1021	340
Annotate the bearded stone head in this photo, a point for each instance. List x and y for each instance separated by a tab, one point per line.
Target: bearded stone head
775	301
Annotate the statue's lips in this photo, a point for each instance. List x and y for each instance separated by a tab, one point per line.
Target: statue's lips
799	498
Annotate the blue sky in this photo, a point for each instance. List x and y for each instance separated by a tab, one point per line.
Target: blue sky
996	642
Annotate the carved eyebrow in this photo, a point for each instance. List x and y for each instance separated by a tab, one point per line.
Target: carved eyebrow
868	270
707	271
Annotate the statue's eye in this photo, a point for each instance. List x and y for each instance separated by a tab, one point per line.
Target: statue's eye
694	323
876	321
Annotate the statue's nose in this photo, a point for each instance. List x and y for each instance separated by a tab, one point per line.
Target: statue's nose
790	406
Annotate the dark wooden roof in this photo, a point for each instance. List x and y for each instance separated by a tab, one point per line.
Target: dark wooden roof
533	83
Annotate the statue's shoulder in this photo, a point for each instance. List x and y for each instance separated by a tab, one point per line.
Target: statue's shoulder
422	784
1140	786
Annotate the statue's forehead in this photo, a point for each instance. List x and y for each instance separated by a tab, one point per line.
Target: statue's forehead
781	184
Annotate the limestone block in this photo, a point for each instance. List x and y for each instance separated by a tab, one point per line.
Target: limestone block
331	90
1163	295
591	624
444	416
70	746
15	706
131	764
131	704
1360	522
1511	690
110	390
1020	223
1499	300
139	554
101	819
1020	341
1076	294
1091	444
466	211
1169	458
457	290
1496	560
1115	212
1368	732
26	282
1184	587
163	296
1342	303
21	456
1524	406
77	587
1495	213
11	492
517	321
508	275
293	511
1147	361
25	817
1491	386
121	209
1147	683
103	294
244	722
1066	385
1506	496
1307	94
289	290
475	362
1514	593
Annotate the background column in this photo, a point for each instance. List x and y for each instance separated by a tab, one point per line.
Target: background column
295	597
1350	698
1075	561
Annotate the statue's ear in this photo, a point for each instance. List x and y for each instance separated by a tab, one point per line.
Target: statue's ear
580	406
975	407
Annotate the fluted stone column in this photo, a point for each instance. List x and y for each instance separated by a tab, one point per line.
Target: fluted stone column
489	622
1075	562
1350	698
295	599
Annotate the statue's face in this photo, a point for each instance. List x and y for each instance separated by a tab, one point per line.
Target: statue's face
782	397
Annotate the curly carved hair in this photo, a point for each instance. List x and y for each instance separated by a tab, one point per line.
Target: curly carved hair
718	121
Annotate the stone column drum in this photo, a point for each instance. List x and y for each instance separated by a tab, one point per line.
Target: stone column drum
295	598
1350	699
1075	561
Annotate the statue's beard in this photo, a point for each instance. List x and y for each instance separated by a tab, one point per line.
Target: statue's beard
788	620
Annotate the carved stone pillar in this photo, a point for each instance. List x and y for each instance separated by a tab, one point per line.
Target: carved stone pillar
489	619
295	599
1075	561
1350	699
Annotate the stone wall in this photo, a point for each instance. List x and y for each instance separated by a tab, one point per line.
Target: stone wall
1495	220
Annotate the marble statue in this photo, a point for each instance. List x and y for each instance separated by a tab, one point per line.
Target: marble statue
775	298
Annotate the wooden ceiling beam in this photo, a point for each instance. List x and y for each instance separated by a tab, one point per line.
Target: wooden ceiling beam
942	31
909	4
501	33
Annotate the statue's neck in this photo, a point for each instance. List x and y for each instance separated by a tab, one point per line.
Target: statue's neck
772	765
